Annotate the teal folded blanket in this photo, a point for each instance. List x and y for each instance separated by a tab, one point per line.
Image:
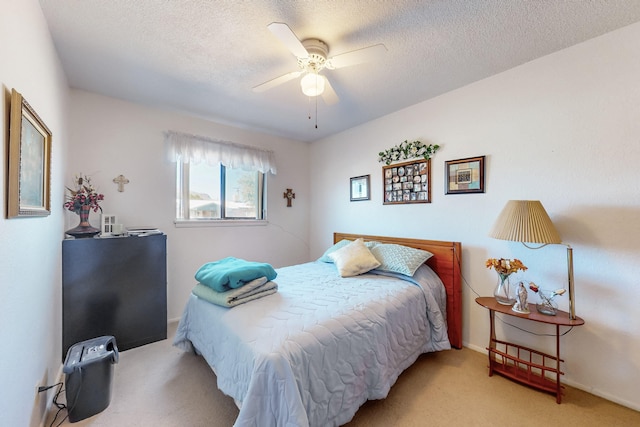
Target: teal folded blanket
231	273
251	291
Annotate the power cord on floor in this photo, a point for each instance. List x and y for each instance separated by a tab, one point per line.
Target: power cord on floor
58	405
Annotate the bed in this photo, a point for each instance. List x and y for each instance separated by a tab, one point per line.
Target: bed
312	353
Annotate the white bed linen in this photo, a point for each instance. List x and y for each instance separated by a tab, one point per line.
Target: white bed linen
315	351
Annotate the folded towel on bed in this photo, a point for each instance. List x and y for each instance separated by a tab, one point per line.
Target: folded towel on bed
232	273
255	289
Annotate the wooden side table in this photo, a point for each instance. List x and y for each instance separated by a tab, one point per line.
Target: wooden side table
526	365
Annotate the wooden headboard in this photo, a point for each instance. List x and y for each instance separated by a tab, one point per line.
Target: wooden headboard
446	262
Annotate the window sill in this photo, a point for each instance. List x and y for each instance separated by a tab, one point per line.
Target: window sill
194	223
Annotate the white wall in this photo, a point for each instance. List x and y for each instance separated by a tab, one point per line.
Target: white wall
564	130
110	137
30	248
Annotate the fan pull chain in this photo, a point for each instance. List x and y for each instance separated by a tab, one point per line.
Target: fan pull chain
309	110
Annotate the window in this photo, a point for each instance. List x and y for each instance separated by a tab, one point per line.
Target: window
218	192
218	180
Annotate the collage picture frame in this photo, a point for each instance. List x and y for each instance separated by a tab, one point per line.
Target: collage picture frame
408	182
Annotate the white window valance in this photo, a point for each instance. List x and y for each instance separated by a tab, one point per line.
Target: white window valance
186	148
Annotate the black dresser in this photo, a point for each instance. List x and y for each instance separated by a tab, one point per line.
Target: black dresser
114	286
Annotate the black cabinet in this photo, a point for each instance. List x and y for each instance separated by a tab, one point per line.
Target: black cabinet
115	286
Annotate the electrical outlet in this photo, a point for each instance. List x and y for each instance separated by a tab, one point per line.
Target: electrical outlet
40	399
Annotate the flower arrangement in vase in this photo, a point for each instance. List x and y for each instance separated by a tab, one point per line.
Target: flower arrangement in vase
82	199
504	268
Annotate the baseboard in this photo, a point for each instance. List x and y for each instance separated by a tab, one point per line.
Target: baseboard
50	396
475	348
601	394
577	385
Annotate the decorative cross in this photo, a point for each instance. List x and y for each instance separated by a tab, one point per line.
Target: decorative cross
289	194
121	181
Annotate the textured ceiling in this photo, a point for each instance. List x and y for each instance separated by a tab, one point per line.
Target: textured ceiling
203	57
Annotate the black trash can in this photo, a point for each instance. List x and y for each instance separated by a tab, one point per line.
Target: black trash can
88	370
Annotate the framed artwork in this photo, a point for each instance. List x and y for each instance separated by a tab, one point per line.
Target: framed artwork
360	189
28	189
408	182
464	175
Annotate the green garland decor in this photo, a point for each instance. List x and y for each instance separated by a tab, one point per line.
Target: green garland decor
407	150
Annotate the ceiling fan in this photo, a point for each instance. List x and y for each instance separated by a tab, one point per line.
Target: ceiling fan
313	57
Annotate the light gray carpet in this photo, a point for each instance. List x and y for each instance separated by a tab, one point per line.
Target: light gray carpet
159	385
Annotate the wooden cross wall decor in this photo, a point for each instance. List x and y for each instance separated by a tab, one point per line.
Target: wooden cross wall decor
121	181
289	194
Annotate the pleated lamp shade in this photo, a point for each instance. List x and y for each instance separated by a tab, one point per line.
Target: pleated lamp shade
525	221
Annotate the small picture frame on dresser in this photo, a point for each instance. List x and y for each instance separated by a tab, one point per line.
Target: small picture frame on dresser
107	224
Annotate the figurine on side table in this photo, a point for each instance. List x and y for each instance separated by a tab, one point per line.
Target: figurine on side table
521	305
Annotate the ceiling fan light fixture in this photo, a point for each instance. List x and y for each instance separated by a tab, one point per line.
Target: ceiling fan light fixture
312	84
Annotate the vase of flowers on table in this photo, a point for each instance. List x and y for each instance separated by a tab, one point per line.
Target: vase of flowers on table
82	199
503	292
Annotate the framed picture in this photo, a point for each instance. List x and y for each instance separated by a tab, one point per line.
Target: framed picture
107	224
464	175
408	182
28	189
360	188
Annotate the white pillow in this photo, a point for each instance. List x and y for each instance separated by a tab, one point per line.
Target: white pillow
353	259
399	259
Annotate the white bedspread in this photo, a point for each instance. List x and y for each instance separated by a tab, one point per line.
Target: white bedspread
315	351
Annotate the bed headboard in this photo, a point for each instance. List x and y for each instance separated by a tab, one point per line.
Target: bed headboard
446	262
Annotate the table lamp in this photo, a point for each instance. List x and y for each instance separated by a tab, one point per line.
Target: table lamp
526	221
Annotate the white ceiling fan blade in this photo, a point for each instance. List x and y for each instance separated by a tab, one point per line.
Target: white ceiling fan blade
366	54
277	81
288	38
329	95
